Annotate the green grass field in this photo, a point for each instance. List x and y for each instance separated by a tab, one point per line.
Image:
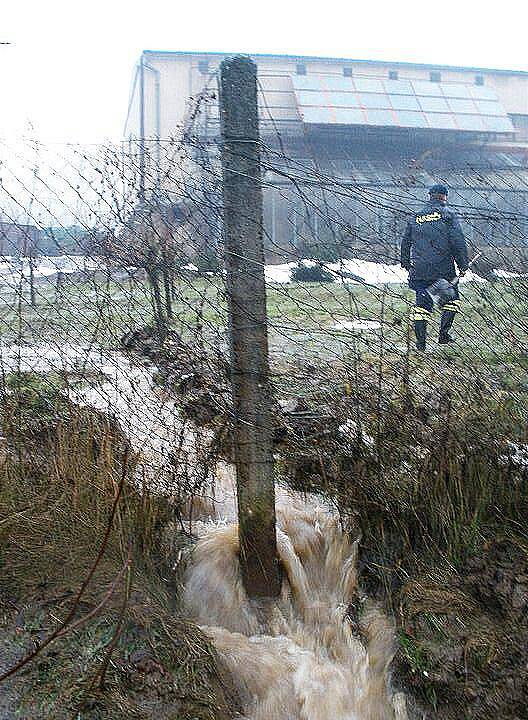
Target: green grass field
492	329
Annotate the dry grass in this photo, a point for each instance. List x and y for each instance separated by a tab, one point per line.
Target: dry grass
442	510
435	595
125	653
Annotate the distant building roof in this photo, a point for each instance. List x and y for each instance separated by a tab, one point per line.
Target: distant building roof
317	58
14	237
336	100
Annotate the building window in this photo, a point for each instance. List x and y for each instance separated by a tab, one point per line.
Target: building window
435	76
347	72
300	69
203	66
393	74
479	79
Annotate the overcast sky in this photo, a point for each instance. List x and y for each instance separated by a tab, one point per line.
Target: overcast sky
69	68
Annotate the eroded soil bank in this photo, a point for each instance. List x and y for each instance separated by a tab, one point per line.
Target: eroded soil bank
437	493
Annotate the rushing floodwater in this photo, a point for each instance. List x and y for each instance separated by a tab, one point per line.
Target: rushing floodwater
321	651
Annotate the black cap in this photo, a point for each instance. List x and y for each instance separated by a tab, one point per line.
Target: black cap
439	190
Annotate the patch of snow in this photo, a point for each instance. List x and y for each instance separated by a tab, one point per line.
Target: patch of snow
357	272
470	276
14	270
507	275
517	454
348	271
279	273
349	430
357	325
370	272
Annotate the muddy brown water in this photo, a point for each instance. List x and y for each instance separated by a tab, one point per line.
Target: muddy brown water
319	652
305	656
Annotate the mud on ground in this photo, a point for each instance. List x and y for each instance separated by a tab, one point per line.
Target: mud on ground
464	637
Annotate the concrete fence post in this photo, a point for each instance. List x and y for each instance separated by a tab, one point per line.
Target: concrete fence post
246	292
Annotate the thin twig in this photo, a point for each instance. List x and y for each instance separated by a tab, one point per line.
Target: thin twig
60	630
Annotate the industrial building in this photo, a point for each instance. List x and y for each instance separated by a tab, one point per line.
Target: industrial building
350	145
18	239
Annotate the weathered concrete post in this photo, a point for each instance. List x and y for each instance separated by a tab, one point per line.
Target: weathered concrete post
244	257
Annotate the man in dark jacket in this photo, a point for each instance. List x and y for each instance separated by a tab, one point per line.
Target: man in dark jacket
432	243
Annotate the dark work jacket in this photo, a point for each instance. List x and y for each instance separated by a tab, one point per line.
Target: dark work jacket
433	241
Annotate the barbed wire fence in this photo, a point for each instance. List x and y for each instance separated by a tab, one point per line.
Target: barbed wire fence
112	277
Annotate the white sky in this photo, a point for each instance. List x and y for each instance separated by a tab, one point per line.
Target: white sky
69	69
